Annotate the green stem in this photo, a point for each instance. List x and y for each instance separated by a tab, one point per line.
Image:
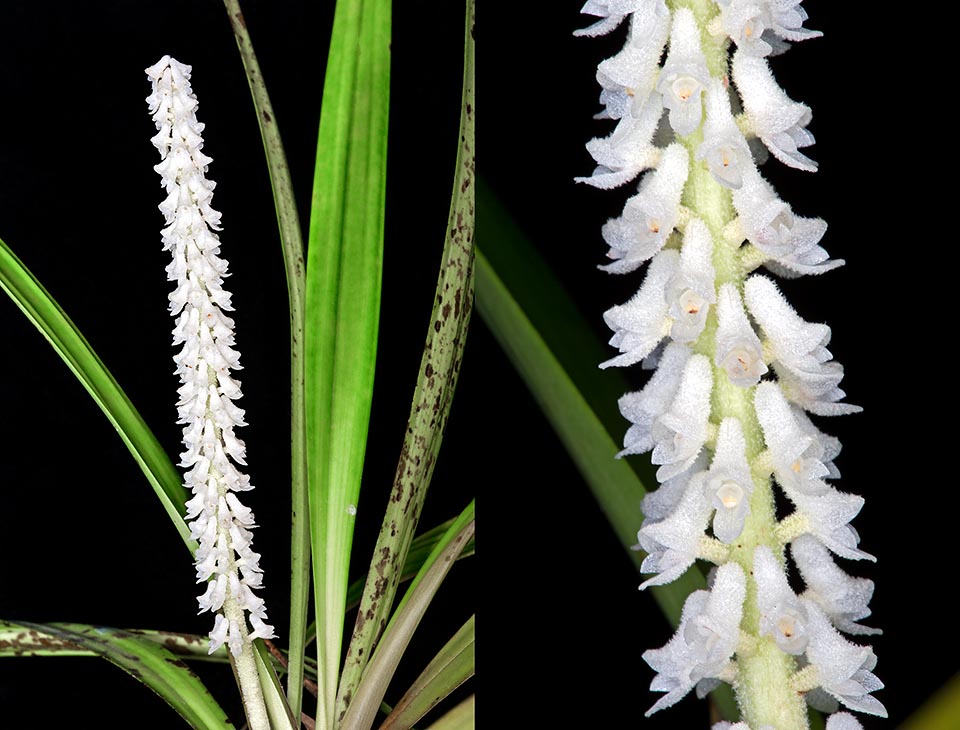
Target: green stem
763	677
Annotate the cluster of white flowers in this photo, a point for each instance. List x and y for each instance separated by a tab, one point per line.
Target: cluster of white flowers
738	372
222	526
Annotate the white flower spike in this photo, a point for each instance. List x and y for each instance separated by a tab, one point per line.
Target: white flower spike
225	560
739	375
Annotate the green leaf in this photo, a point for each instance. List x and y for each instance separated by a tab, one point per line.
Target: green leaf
450	668
142	659
280	714
361	712
939	712
291	240
460	717
436	382
344	261
46	315
420	549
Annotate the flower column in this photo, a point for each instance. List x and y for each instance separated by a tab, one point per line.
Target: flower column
738	371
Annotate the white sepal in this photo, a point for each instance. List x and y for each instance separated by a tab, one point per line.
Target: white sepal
842	597
661	502
738	351
844	669
782	615
705	640
641	323
611	14
724	148
728	485
775	118
643	406
628	150
684	74
649	216
793	452
691	290
756	26
673	543
799	348
770	225
681	432
628	78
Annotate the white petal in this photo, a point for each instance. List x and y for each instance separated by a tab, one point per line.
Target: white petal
779	122
649	216
641	323
739	351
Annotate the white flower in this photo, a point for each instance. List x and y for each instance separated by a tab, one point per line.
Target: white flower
828	515
843	669
825	448
649	216
628	78
684	74
793	452
641	323
777	120
799	349
705	640
681	432
782	616
728	485
611	12
628	150
691	290
220	523
738	351
661	502
723	148
756	25
673	543
842	597
643	406
770	225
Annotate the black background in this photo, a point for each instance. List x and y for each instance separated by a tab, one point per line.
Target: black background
562	625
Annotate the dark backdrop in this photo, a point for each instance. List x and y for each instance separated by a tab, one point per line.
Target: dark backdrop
83	537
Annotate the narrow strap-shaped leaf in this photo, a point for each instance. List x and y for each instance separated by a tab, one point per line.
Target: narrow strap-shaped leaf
47	316
450	668
278	710
563	385
419	550
145	661
344	261
361	712
291	241
460	717
436	382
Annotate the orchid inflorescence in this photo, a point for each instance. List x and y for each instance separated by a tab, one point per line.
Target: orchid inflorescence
739	373
225	560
